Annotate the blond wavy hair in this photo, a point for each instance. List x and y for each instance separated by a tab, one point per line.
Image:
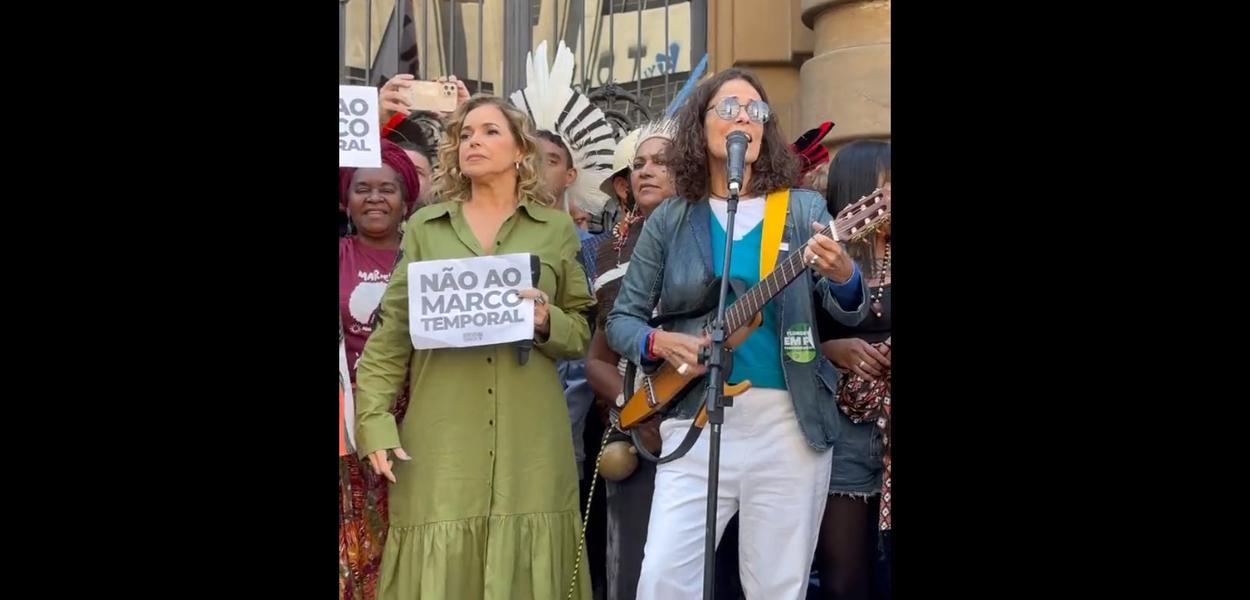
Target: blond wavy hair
451	184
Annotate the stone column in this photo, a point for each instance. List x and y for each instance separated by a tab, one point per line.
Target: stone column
847	80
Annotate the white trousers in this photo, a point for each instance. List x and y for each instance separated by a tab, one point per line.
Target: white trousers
768	473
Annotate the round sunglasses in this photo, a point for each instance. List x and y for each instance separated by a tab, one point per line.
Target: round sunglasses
729	106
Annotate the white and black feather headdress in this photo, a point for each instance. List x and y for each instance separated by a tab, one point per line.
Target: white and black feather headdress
555	106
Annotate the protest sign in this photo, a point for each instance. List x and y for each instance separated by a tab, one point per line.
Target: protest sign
359	145
458	303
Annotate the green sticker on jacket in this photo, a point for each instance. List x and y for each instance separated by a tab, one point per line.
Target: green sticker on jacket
798	343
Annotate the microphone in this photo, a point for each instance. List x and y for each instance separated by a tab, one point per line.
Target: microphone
523	347
736	152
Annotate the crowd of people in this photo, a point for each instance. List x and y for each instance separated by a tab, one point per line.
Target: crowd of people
473	473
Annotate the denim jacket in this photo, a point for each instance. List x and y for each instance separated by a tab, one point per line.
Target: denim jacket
672	264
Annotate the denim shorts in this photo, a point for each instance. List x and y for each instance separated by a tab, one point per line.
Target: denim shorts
857	467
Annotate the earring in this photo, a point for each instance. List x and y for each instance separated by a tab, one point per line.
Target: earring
518	166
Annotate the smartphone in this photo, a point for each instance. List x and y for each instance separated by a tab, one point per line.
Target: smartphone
432	95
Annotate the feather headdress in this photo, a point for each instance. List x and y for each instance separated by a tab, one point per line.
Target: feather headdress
554	105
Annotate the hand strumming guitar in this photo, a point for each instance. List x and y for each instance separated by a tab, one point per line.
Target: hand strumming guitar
681	349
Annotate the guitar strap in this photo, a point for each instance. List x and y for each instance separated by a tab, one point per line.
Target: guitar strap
775	206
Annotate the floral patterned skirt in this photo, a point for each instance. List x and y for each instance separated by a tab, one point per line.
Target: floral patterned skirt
362	522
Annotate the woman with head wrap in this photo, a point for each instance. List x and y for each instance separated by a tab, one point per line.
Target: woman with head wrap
376	201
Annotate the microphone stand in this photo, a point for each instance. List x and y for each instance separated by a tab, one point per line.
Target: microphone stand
716	402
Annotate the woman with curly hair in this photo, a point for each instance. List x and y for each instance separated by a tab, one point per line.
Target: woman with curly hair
776	439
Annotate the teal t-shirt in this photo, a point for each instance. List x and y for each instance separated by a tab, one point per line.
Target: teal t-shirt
759	358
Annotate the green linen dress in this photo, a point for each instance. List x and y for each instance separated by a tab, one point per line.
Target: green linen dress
488	506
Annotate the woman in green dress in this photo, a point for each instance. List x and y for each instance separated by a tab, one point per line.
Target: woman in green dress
483	498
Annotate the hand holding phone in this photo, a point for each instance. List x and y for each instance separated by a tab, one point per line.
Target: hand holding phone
431	95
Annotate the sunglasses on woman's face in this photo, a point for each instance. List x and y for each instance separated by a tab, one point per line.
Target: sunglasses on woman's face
729	106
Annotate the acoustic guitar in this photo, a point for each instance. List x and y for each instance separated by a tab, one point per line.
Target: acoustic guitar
743	317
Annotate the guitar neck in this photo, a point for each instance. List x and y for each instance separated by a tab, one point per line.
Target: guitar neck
741	311
852	223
